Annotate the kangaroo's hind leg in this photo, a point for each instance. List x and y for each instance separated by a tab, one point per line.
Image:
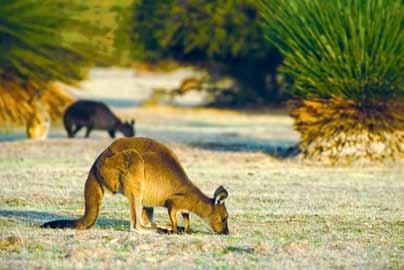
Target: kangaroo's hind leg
111	133
136	207
68	126
147	216
172	213
136	213
88	131
187	225
77	129
123	172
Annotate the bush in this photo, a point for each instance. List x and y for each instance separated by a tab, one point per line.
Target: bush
45	40
341	48
346	60
42	42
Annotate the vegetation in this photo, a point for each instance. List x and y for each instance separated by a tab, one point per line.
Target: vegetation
34	41
42	42
211	34
16	106
345	58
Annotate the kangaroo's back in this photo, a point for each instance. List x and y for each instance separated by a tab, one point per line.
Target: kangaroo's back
164	175
88	112
141	145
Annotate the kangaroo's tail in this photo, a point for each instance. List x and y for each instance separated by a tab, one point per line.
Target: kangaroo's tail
93	194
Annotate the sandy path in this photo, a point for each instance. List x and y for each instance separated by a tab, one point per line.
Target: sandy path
123	87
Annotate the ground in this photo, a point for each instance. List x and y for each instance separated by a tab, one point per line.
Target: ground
284	214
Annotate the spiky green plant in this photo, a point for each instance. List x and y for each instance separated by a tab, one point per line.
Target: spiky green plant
347	57
42	42
340	48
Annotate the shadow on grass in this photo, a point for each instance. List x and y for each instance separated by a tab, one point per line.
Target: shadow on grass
59	134
281	148
228	136
19	135
269	148
37	218
233	249
12	136
205	135
29	216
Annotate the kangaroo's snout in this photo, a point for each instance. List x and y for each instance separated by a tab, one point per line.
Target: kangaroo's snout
225	231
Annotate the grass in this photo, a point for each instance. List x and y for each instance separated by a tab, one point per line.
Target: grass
283	214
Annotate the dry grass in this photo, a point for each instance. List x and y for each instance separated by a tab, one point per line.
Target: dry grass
17	100
283	214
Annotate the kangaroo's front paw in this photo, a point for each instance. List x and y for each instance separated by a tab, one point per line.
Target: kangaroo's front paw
169	230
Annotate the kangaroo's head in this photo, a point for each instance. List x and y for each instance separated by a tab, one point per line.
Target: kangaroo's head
127	128
218	217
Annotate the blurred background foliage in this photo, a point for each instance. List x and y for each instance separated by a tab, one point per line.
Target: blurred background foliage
36	37
348	52
224	37
48	41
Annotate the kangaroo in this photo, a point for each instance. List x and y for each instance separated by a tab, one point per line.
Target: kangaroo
149	174
94	115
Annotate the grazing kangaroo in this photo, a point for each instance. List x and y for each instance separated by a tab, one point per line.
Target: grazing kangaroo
148	174
94	115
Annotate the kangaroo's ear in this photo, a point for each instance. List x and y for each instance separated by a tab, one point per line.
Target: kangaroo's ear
220	195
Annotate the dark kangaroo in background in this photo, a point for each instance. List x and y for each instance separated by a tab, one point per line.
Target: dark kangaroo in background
94	115
148	174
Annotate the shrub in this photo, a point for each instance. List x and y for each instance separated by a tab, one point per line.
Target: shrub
42	42
346	61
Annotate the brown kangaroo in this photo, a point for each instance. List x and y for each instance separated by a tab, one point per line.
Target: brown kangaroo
148	174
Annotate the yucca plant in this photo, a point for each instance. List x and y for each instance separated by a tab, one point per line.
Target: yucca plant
42	42
346	61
